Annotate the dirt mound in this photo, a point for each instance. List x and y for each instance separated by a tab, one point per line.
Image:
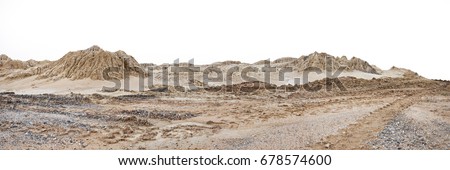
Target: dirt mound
352	83
244	87
91	63
159	115
379	70
319	60
8	64
406	73
223	63
14	64
16	69
34	63
261	62
4	58
284	60
146	65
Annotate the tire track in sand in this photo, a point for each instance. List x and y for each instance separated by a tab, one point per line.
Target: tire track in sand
356	135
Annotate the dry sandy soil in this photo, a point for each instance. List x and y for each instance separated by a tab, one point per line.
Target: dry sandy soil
381	113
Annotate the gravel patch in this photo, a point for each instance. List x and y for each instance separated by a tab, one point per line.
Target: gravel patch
404	133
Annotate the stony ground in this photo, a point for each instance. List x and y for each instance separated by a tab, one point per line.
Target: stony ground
371	114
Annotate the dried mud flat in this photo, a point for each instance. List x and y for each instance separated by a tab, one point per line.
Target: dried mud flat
391	113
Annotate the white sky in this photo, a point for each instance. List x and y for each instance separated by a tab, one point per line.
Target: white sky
411	34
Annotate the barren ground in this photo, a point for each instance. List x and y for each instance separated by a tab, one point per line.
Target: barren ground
371	114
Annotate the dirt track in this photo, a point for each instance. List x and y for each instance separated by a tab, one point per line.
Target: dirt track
366	129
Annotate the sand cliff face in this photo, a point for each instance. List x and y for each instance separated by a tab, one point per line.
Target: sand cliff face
89	63
319	60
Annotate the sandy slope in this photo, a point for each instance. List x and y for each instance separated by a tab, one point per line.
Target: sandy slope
32	85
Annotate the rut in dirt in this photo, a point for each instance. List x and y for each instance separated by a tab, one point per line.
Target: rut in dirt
356	136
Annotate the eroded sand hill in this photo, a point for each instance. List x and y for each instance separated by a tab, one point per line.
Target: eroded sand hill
90	64
84	72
